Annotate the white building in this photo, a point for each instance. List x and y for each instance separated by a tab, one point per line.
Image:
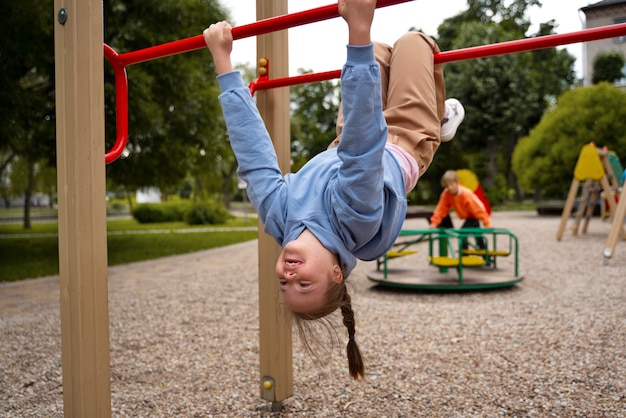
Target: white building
602	13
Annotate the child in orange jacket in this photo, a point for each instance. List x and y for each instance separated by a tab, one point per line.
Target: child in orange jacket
464	202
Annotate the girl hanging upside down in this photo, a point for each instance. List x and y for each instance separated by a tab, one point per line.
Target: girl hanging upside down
348	202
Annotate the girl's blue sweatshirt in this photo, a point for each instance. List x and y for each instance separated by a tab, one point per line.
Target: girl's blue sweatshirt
351	197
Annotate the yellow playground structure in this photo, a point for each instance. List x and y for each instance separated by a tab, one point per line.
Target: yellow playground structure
598	176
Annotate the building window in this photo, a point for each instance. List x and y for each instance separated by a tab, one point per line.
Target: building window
619	39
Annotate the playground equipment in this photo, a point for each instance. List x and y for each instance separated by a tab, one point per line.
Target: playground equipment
81	180
271	24
596	170
617	227
452	262
119	62
598	177
468	179
458	265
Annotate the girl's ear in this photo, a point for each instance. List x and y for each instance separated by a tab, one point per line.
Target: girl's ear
337	274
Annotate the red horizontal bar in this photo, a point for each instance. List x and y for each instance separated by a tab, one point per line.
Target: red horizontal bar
529	44
260	27
482	51
263	83
120	61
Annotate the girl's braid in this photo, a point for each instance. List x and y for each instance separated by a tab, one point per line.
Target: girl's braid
355	361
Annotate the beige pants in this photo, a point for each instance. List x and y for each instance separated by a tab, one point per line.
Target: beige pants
413	93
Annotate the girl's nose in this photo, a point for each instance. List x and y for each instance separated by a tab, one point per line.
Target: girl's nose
289	275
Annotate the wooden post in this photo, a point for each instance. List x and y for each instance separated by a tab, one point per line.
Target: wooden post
567	209
79	62
610	182
591	204
276	359
583	201
617	227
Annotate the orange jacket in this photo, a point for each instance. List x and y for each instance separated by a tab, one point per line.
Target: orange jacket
466	205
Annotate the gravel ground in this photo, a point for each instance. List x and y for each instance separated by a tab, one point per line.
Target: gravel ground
184	340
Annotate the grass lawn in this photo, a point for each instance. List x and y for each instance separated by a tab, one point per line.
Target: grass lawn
34	253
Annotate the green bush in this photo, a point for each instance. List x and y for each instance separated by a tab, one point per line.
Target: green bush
159	212
118	206
206	213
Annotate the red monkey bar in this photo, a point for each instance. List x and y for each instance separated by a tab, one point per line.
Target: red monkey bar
119	62
483	51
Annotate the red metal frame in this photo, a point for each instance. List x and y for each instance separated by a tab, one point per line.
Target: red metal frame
483	51
260	27
121	106
119	62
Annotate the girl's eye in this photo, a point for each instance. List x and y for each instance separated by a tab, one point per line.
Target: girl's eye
283	282
304	284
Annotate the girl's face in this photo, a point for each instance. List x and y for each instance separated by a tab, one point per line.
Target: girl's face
305	269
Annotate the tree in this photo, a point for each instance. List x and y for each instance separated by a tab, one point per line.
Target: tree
6	158
545	159
608	66
222	177
172	101
314	110
504	96
174	115
27	114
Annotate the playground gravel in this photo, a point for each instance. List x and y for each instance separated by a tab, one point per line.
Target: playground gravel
184	339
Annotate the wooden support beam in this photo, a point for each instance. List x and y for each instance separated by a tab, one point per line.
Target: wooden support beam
617	227
567	209
79	66
276	359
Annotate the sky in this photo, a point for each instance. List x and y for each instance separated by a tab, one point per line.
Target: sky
320	46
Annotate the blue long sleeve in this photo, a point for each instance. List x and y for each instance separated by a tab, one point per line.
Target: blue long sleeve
350	197
360	191
251	143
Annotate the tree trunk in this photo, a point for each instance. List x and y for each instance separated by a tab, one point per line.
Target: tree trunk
492	164
51	193
6	162
518	192
512	178
3	166
226	184
226	195
129	199
28	194
199	193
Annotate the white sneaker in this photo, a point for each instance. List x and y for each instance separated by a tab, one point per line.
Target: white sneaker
454	116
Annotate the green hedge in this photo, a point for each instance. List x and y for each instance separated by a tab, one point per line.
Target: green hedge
209	213
147	213
206	213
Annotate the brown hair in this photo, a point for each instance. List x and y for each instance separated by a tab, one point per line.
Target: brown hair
337	297
449	176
